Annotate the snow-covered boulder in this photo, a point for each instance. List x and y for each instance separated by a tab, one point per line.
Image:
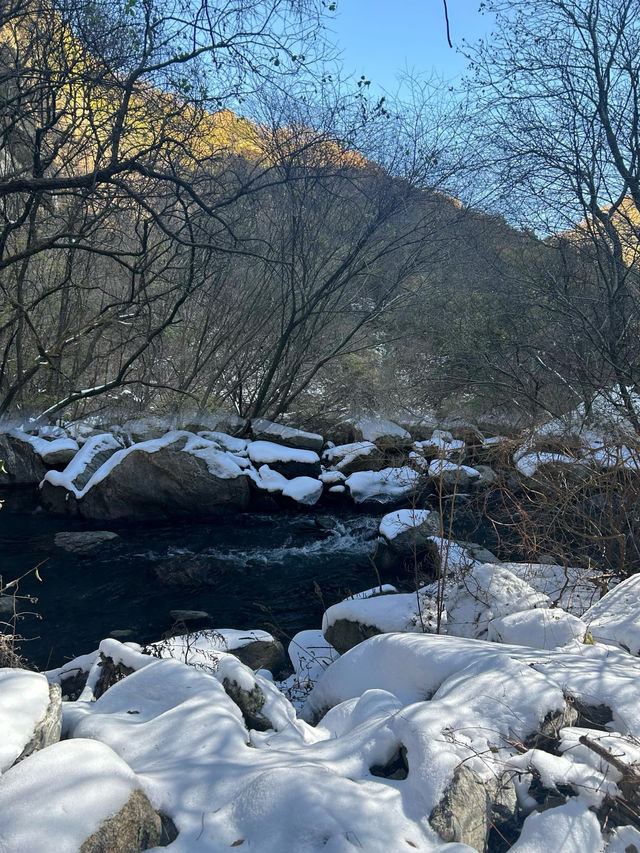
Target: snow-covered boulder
450	476
356	456
408	529
144	429
302	490
75	795
381	432
615	619
27	457
288	461
256	649
59	488
30	714
540	628
572	588
179	474
484	592
390	485
349	622
310	654
264	430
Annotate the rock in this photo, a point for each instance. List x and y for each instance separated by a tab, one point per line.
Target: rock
288	461
83	542
59	489
263	430
180	474
464	812
189	615
93	803
261	654
250	702
451	477
347	459
110	673
381	432
30	715
22	464
135	827
408	529
547	735
349	622
391	485
48	730
540	628
615	619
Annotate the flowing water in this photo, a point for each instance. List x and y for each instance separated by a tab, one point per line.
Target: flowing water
276	572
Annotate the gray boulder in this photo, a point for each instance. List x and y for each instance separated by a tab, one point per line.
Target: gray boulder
30	715
463	814
289	461
22	464
157	480
263	430
136	827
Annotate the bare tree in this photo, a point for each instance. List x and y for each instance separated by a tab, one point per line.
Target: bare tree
559	104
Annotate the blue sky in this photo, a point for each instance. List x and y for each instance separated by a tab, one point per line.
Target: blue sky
383	38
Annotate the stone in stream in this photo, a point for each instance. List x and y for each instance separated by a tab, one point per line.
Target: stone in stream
83	542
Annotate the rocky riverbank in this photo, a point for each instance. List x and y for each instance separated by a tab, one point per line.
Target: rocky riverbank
492	707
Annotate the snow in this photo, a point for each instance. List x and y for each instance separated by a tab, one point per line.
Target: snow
615	618
571	587
571	828
442	466
542	629
304	490
24	698
268	453
344	455
219	463
528	465
395	612
104	443
58	797
390	484
237	446
403	520
377	429
54	452
486	591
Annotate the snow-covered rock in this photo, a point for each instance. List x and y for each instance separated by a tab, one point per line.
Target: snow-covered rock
27	457
60	799
303	490
452	476
389	485
541	628
484	592
615	618
263	430
30	714
353	620
380	431
256	649
289	461
408	529
357	456
179	473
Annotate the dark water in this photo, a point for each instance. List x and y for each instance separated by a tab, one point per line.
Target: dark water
276	572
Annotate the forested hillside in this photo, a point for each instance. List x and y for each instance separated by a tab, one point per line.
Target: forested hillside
159	250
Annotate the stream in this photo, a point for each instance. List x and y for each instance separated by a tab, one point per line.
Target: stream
277	572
